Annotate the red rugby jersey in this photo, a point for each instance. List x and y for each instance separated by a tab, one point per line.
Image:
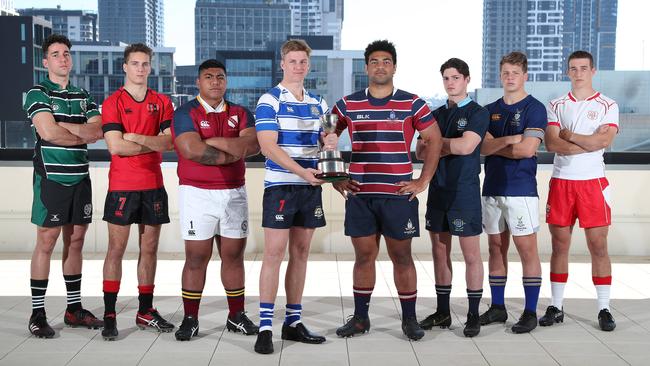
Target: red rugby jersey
121	112
192	117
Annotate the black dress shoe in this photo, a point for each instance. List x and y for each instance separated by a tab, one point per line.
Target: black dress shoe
264	343
300	333
606	320
495	314
527	322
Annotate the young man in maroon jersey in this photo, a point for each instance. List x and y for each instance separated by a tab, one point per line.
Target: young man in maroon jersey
137	130
212	136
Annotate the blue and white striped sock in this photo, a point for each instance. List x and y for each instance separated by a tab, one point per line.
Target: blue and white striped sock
266	316
292	314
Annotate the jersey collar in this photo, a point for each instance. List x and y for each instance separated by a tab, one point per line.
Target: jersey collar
462	103
573	99
208	108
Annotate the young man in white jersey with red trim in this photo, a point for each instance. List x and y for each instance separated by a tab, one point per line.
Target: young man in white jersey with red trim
581	125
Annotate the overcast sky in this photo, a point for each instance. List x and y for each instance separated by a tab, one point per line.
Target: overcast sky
426	33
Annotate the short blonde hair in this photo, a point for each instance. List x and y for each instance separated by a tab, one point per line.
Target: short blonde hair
295	45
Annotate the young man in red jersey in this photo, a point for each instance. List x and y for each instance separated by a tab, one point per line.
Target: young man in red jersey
137	130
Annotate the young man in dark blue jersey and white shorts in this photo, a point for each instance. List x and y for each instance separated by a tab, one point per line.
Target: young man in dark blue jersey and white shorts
510	200
454	203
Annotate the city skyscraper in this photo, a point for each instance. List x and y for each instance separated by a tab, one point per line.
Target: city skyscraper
239	25
132	21
548	31
590	25
77	25
317	17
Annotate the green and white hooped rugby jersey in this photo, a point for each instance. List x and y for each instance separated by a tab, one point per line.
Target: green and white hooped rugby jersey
67	165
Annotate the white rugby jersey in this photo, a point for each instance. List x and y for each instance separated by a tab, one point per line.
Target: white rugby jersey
298	126
583	117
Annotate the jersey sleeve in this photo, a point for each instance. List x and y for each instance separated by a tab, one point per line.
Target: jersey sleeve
182	122
36	101
479	122
340	109
266	113
167	114
111	120
92	109
611	116
422	116
246	116
536	121
552	117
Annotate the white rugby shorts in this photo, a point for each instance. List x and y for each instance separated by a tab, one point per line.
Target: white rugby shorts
205	213
520	215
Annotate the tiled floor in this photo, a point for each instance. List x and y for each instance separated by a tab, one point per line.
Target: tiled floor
328	299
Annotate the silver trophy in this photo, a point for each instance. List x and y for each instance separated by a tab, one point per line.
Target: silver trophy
330	162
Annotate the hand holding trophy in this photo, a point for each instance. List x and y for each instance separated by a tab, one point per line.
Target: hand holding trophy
330	162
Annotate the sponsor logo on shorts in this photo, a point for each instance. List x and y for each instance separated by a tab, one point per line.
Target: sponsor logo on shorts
459	224
88	210
55	218
279	217
520	224
244	226
204	124
157	208
428	223
318	212
462	123
409	229
119	213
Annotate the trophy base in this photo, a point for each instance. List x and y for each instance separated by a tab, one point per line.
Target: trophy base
333	176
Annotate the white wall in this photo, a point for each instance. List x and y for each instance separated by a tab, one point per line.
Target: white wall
629	234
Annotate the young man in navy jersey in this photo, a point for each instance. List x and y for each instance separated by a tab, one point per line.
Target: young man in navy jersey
454	203
381	196
510	200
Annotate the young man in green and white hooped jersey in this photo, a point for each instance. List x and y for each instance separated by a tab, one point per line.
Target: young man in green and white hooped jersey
64	119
